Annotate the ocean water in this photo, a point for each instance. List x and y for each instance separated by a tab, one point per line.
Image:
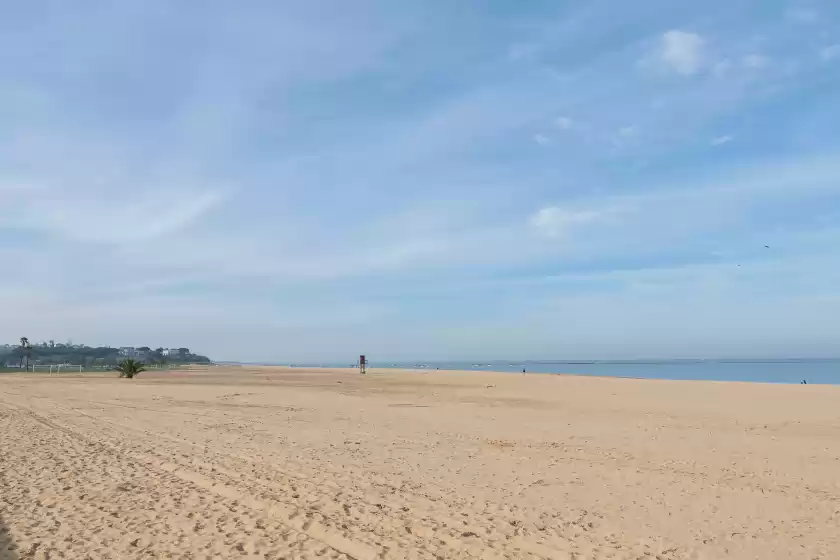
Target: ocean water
769	371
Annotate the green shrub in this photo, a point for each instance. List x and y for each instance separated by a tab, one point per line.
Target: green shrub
130	368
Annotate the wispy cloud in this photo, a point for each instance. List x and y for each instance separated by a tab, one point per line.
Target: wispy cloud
554	221
756	61
722	68
119	220
683	51
359	170
628	131
542	139
831	52
564	123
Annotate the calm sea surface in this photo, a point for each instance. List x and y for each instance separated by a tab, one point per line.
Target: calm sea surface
778	371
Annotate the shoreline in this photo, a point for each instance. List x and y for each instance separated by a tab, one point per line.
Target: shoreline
372	369
181	369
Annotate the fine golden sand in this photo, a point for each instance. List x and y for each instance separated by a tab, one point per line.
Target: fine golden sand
277	463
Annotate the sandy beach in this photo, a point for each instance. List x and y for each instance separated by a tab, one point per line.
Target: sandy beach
274	463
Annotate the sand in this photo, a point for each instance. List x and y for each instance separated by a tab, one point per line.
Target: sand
274	463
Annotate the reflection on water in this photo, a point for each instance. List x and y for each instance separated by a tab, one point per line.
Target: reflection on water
762	371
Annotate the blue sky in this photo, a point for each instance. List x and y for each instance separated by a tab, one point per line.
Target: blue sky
435	180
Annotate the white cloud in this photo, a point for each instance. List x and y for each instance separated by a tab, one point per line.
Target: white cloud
721	140
542	139
683	51
554	221
627	131
722	67
625	136
830	53
756	61
563	123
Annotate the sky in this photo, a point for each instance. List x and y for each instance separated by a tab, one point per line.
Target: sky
308	181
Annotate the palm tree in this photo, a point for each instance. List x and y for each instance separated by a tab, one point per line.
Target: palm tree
130	368
25	351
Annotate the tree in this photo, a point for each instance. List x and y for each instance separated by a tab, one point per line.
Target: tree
25	352
130	368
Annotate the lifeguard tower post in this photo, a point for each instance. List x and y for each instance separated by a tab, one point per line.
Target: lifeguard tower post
362	364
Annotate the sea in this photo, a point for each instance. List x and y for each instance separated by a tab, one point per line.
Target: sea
812	371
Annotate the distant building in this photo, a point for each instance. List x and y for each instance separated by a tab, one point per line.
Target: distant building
128	351
165	352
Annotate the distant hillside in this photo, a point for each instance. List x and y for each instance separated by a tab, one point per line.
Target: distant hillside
80	354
